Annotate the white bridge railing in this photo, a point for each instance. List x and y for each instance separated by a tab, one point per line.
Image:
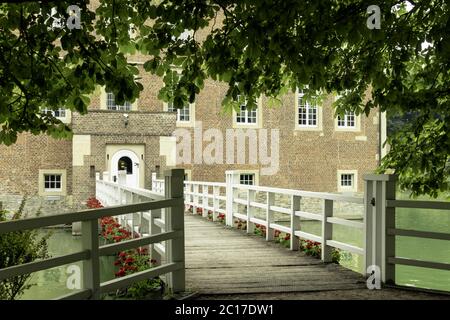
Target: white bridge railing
124	203
378	221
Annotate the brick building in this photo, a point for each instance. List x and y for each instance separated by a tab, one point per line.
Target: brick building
316	151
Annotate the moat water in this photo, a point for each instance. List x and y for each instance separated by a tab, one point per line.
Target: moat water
52	283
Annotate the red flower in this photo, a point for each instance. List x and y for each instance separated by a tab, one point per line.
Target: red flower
120	273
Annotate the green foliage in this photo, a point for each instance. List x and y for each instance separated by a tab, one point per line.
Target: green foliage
259	47
17	248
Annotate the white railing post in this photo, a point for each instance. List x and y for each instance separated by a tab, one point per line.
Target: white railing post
369	203
216	202
388	241
250	199
379	244
154	181
229	179
195	199
106	176
205	201
327	230
295	222
175	222
155	229
91	266
269	215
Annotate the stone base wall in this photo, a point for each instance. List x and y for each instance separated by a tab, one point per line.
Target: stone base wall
35	204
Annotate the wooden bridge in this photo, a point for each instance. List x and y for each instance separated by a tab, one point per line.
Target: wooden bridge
222	260
208	257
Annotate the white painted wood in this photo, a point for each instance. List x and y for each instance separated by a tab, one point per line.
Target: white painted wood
369	201
309	215
308	236
259	221
419	204
419	263
269	215
327	230
216	203
281	228
345	247
91	266
295	222
205	200
418	234
250	199
347	223
175	222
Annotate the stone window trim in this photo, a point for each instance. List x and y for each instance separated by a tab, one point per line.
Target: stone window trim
310	110
185	116
52	182
347	180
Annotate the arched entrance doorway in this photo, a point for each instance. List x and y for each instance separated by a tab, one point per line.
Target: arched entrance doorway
126	160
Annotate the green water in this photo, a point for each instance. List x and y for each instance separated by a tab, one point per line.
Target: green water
51	283
406	247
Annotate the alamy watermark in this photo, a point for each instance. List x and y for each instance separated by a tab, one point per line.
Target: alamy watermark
72	22
374	279
73	281
229	149
374	20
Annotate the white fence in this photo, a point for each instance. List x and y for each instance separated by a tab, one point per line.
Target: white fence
112	194
377	225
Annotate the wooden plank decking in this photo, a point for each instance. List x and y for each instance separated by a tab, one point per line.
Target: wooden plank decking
220	260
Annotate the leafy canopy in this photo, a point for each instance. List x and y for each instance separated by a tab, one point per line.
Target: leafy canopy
257	47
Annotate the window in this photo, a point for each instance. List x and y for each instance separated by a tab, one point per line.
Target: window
183	114
348	121
58	113
307	113
52	182
347	180
247	179
111	103
246	116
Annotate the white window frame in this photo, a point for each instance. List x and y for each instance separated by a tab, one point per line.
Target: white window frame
182	113
346	188
128	106
182	122
246	114
309	107
66	118
104	103
345	122
345	127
